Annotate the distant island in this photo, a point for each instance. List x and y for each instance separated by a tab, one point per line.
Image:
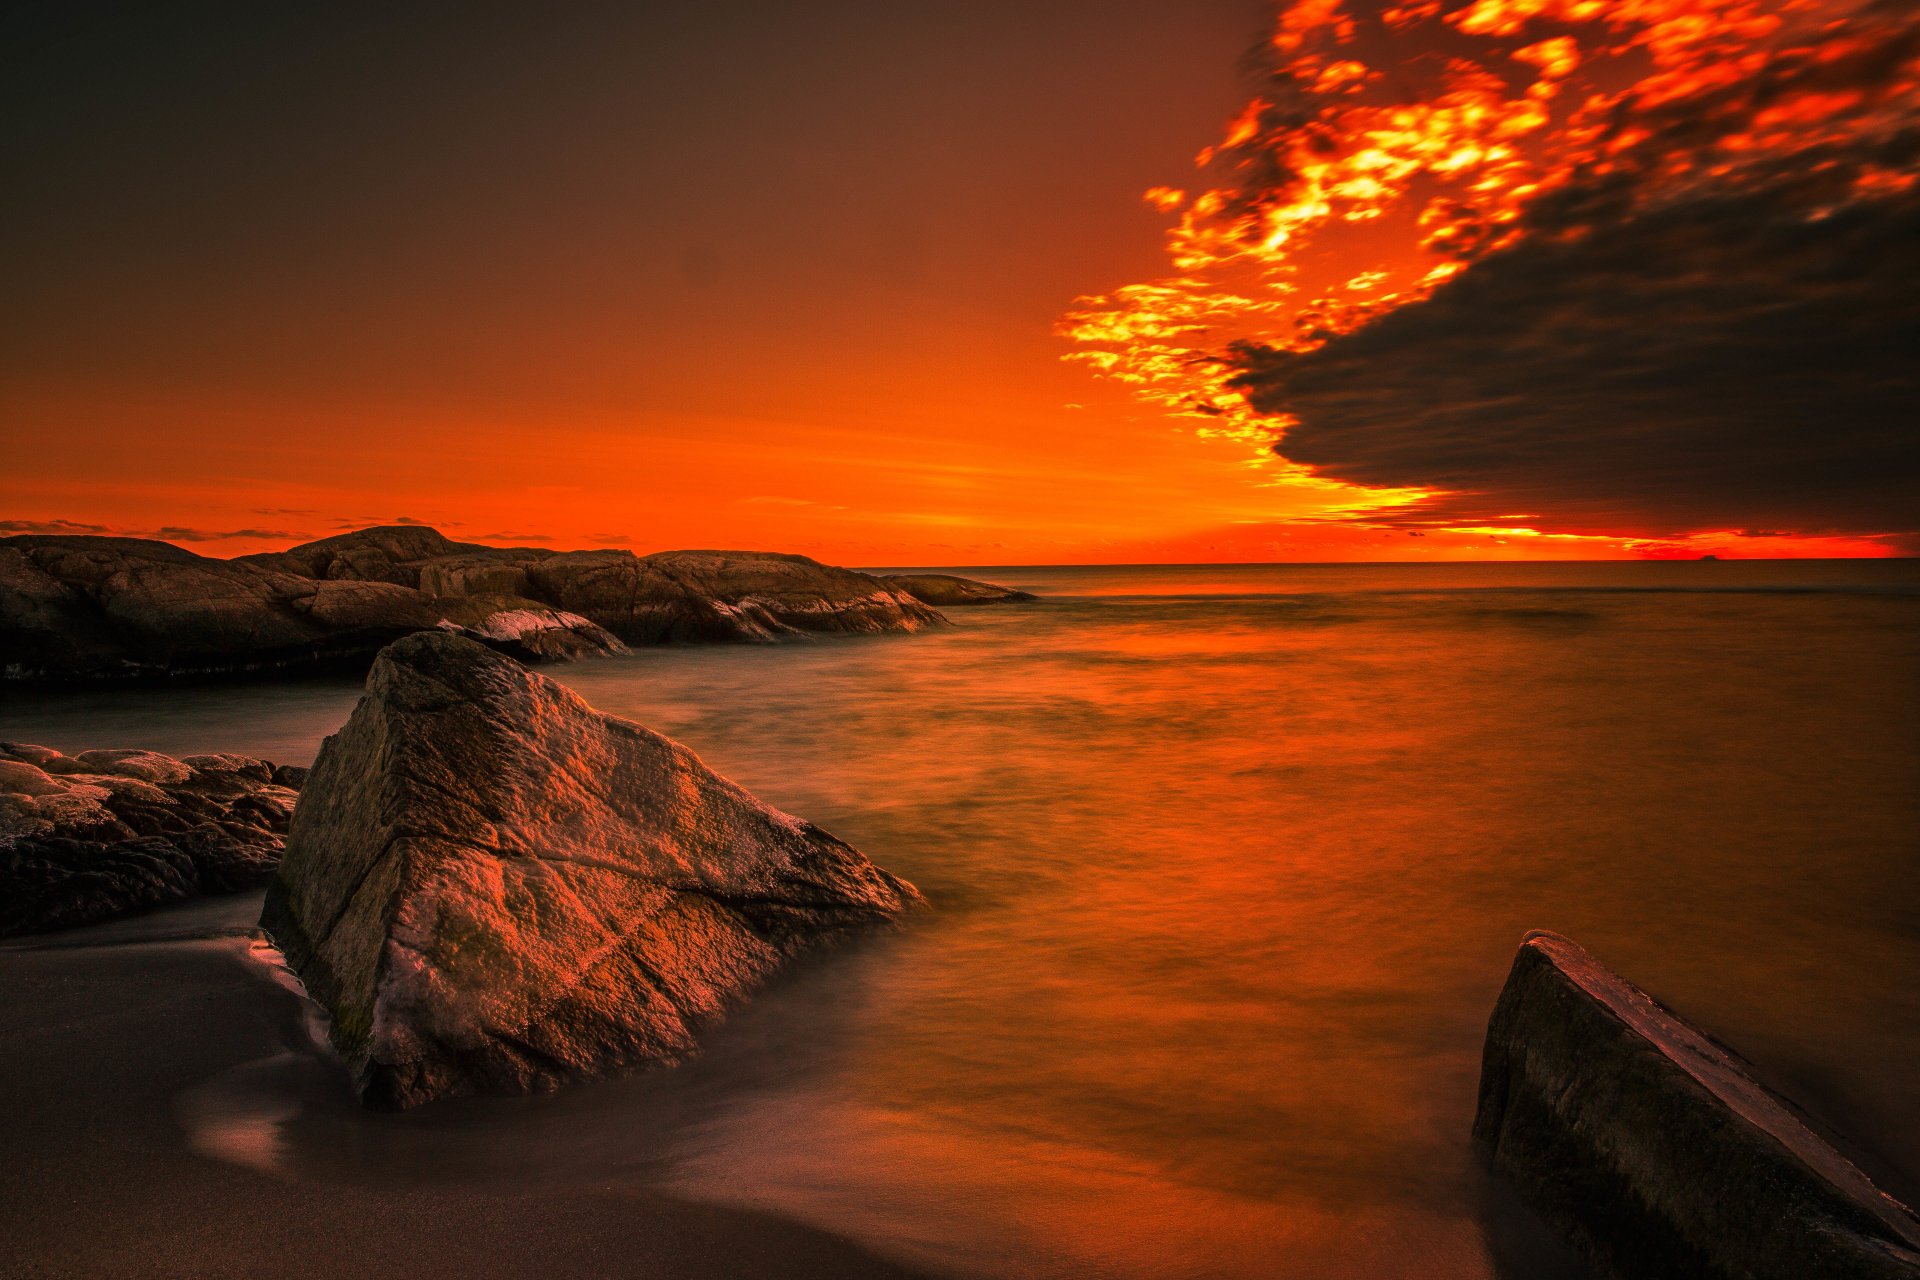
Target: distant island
82	610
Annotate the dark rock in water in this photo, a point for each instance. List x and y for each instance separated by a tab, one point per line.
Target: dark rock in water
107	833
764	595
90	609
946	590
491	887
1655	1150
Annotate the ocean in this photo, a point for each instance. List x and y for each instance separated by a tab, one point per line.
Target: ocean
1226	865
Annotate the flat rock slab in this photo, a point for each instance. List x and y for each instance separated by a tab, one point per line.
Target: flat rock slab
492	887
1650	1144
947	590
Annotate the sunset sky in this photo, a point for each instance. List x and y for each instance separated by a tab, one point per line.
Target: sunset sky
942	283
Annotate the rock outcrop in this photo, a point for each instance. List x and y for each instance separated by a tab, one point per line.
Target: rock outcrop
491	887
123	607
766	595
79	609
1654	1149
107	833
945	590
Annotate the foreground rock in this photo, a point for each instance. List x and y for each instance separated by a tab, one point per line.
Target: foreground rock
491	887
1651	1146
945	590
77	609
107	833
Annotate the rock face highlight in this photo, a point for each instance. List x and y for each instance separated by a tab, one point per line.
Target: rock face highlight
492	887
80	609
945	590
1654	1149
102	834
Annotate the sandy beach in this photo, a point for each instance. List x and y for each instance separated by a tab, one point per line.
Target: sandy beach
111	1030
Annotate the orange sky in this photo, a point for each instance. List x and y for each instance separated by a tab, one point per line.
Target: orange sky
643	280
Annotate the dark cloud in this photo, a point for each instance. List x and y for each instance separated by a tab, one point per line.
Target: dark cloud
367	522
179	533
1657	359
57	527
165	533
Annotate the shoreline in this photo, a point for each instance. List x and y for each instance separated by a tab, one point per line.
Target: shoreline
113	1030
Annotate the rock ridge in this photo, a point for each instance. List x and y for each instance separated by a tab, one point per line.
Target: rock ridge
87	610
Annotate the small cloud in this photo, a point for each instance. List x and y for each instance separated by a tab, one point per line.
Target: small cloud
165	533
67	528
180	533
510	535
284	511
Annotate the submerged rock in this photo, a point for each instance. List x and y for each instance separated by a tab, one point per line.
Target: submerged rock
1652	1147
947	590
492	887
107	833
82	609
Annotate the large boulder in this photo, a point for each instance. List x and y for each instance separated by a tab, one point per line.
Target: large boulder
946	589
1653	1148
107	833
491	887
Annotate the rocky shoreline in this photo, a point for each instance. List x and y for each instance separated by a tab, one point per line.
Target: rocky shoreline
104	834
92	610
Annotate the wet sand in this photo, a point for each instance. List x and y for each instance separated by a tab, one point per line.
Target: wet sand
108	1033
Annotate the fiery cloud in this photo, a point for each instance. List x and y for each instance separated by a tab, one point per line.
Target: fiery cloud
1636	267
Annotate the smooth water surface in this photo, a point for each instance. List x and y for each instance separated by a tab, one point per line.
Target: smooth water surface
1227	864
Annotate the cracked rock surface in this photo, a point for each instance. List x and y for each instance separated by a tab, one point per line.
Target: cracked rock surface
492	887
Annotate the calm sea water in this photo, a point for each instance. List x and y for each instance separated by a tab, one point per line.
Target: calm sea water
1227	866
